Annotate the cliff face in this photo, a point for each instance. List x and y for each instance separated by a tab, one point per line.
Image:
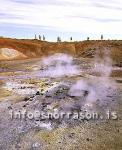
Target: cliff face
33	48
23	49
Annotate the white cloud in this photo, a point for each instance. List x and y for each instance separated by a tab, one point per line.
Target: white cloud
66	15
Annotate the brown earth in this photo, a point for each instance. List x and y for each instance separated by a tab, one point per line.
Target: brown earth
34	48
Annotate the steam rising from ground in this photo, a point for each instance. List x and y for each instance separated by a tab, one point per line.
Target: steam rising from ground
96	88
103	64
88	90
59	65
57	58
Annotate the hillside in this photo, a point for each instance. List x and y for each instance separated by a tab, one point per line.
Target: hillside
11	49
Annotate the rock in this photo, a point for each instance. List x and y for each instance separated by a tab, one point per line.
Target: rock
37	93
44	125
88	139
17	146
9	107
36	145
26	99
86	93
24	106
45	104
58	92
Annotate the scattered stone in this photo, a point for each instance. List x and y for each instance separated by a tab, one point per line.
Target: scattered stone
59	92
9	107
17	146
26	99
36	145
109	96
24	106
45	104
86	93
71	135
31	96
31	99
37	93
89	139
44	125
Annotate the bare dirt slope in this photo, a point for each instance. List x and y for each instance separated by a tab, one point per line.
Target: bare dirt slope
23	49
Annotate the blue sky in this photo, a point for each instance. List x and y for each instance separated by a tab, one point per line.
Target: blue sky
65	18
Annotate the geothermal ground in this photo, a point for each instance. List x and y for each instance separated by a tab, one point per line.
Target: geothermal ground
60	84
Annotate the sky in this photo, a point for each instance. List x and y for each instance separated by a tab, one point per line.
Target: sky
65	18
